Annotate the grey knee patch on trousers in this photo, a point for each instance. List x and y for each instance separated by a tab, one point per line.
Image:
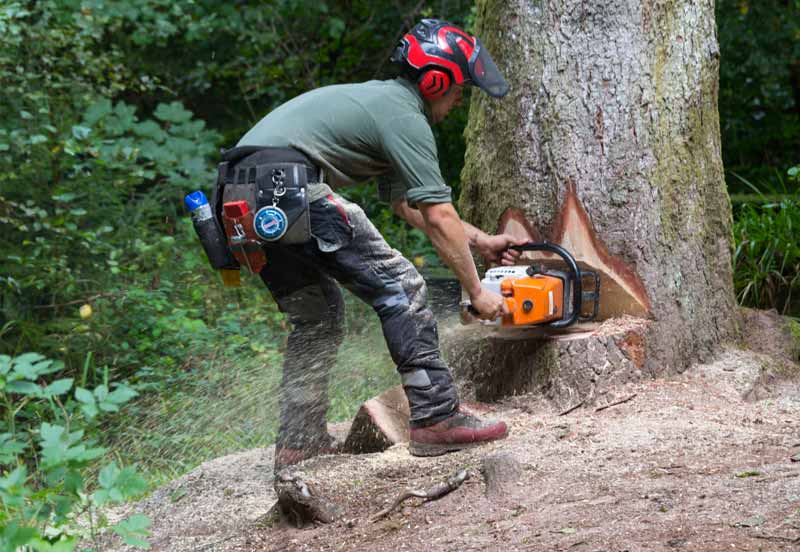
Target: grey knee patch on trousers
416	378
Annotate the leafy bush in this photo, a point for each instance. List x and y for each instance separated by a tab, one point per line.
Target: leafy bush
49	501
90	186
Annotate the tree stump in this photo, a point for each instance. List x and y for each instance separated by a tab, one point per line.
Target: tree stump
567	368
299	505
380	423
502	473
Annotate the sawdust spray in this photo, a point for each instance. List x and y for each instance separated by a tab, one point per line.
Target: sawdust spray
232	403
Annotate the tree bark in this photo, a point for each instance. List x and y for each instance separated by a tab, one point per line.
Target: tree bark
609	144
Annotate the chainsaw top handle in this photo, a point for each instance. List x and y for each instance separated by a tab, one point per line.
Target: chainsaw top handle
577	289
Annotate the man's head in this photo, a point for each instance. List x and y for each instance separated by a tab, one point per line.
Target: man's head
441	106
440	57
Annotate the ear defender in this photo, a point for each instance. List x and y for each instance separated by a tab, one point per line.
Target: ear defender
433	83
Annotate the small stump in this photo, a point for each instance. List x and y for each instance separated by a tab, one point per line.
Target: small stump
299	505
502	473
380	423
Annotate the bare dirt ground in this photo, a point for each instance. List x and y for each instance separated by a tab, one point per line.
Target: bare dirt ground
707	460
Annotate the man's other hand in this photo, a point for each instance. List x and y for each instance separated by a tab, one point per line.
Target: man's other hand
495	249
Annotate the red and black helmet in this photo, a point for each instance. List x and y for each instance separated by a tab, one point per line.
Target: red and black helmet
437	54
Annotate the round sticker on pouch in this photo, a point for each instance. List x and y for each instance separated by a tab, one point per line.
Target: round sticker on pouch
270	223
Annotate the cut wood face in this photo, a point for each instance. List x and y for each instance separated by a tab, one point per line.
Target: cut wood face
380	423
621	289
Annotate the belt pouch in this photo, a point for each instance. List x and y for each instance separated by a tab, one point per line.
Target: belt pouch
258	174
285	186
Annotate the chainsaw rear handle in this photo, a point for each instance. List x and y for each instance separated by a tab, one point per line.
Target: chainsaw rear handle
577	288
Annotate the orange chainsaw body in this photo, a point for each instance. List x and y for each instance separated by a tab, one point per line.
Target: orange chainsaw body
532	300
537	295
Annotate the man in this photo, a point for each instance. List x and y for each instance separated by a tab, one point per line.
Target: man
379	129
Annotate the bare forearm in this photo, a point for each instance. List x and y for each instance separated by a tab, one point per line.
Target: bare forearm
415	219
474	235
450	240
411	216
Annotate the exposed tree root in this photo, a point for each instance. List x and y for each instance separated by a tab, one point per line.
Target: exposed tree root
433	493
615	403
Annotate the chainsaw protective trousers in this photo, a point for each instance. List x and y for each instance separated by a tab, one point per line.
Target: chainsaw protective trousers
347	248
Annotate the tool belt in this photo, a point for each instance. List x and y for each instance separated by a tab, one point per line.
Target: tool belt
261	196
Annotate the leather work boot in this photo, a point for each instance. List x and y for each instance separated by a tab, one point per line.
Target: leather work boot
459	431
285	456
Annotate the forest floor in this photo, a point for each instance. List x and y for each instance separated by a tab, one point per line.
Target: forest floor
705	460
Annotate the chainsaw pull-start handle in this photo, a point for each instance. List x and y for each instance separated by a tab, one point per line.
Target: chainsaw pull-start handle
577	288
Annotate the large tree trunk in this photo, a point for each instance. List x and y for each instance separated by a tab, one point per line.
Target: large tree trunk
608	143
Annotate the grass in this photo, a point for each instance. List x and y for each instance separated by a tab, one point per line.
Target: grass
767	254
221	406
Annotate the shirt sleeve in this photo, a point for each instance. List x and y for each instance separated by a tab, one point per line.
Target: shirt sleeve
411	149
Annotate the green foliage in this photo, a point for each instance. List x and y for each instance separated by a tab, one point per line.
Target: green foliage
133	529
95	154
262	53
767	257
759	106
90	185
46	427
759	94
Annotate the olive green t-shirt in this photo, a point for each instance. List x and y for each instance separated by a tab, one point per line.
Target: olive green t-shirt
355	132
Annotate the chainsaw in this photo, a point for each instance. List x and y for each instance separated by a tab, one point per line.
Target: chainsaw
540	296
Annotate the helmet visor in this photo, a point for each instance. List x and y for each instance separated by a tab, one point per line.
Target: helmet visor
485	73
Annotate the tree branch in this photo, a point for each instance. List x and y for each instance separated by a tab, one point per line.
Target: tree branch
433	493
615	403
